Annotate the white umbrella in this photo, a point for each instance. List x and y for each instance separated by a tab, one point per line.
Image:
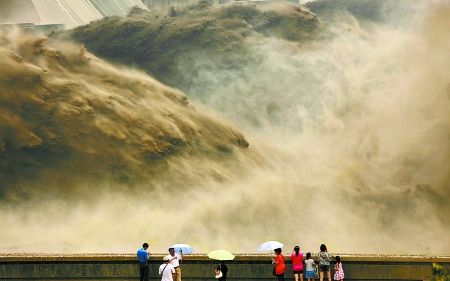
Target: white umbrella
184	247
270	245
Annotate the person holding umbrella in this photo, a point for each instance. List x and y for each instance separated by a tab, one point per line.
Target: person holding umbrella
222	268
175	259
280	265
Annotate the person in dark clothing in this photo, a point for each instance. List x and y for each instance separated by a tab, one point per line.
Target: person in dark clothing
222	268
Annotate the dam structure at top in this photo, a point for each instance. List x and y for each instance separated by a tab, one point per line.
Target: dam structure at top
63	12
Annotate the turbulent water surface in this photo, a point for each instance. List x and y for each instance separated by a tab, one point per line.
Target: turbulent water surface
339	136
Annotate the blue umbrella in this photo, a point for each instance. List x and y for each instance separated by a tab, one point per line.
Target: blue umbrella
183	247
270	245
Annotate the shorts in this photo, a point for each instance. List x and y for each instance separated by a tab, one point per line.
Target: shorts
298	271
324	267
310	274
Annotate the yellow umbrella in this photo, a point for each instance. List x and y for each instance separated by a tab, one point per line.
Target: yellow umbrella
221	255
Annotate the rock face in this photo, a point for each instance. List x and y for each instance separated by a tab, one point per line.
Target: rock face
64	110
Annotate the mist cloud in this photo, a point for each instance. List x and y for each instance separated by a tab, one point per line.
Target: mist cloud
348	147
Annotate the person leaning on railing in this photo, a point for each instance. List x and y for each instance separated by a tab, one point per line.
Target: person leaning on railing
324	262
143	256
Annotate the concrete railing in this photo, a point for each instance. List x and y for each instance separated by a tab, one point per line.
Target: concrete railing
124	267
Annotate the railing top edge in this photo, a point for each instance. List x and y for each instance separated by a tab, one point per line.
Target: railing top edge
52	257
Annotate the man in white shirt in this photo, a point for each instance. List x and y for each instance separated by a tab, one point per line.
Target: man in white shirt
166	270
175	260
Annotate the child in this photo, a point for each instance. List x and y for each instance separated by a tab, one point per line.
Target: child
309	262
339	271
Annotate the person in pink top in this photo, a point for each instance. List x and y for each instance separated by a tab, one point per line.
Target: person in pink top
297	263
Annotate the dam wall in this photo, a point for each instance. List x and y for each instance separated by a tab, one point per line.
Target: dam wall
34	28
68	13
115	267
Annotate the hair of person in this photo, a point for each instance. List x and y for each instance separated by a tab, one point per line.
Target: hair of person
323	248
278	250
296	249
170	249
338	259
308	255
144	245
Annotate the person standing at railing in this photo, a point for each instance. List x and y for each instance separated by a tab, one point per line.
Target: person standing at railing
143	256
175	260
297	263
280	265
310	272
221	271
324	262
338	270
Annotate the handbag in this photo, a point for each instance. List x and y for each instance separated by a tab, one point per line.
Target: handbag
218	275
274	270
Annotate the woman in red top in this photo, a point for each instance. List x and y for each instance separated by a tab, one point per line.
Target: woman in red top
280	266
